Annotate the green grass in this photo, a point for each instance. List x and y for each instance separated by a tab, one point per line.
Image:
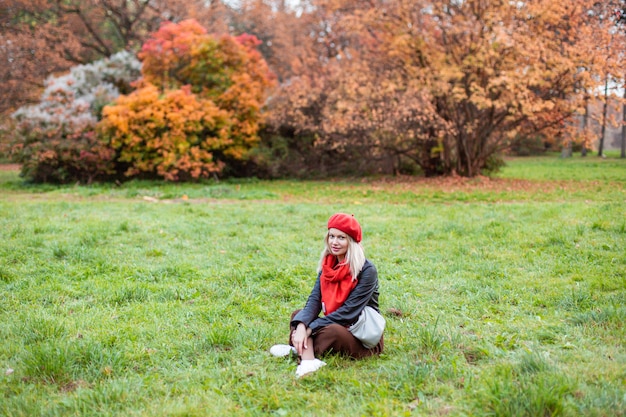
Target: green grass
151	299
552	167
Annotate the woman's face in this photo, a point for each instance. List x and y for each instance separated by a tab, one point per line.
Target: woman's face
337	243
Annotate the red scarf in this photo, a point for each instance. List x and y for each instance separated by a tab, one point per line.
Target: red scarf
336	284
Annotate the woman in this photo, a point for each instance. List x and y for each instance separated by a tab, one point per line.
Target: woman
346	283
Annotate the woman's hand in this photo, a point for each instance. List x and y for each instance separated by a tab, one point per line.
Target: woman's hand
299	338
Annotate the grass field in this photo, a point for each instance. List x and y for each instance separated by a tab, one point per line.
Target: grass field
503	296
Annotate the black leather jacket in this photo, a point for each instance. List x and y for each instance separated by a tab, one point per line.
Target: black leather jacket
364	294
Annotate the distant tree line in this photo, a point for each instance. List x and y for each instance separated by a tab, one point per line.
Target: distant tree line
182	90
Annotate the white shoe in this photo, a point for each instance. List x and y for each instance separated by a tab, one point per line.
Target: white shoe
308	366
282	350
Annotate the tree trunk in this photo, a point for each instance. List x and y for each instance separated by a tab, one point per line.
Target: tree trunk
568	149
623	153
566	152
583	151
604	109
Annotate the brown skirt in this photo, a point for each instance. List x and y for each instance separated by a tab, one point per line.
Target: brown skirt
335	338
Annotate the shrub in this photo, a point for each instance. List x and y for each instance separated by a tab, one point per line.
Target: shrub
529	145
173	135
55	139
197	109
218	82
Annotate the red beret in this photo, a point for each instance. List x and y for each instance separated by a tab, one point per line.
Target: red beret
347	224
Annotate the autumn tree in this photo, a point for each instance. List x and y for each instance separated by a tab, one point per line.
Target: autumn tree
55	139
472	76
198	108
618	9
620	17
288	32
43	37
171	135
609	43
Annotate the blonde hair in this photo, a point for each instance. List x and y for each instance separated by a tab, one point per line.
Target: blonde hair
355	256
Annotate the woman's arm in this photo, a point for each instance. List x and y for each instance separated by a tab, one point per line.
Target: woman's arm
312	308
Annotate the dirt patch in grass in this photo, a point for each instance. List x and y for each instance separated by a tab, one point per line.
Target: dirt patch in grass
483	183
9	167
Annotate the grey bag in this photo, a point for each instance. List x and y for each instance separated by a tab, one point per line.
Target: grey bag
369	327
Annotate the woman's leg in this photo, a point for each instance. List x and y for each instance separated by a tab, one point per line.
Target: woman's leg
308	362
309	352
338	339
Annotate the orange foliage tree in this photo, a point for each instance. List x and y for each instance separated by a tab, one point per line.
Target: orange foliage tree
43	37
448	85
289	31
171	134
55	140
610	47
198	109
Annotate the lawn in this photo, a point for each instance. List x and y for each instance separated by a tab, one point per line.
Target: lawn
504	296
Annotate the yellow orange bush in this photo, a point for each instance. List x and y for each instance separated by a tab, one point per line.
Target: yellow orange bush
197	109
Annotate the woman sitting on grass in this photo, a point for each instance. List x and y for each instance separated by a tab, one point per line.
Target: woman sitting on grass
346	283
